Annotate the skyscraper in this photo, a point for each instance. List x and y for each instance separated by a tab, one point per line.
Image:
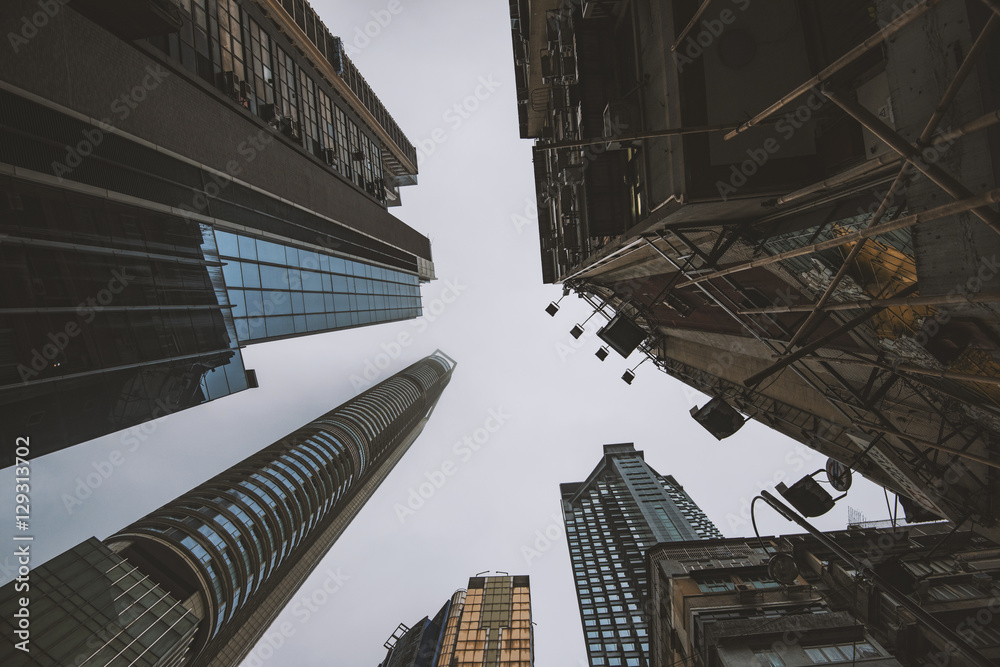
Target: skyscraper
220	562
485	625
178	180
622	509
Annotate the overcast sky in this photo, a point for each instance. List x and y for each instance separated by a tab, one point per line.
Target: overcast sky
558	403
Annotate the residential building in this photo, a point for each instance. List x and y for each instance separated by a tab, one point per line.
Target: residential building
487	624
786	206
221	561
622	509
713	602
181	179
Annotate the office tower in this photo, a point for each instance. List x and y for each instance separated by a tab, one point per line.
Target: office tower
621	510
487	624
735	187
221	561
178	180
715	604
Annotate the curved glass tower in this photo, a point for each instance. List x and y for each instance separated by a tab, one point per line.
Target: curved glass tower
238	546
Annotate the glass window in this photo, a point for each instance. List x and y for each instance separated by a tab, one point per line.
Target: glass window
273	277
280	326
251	276
270	252
248	249
227	243
768	658
237	302
260	62
310	133
288	100
841	652
312	281
232	274
277	303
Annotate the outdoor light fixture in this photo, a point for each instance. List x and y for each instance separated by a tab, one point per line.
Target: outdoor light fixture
783	569
602	353
553	306
629	375
622	335
719	418
577	331
808	497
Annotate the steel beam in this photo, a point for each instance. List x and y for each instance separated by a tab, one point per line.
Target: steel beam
785	361
953	208
840	63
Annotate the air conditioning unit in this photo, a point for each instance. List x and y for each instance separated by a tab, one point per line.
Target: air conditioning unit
289	128
231	84
619	119
245	90
747	593
267	112
330	156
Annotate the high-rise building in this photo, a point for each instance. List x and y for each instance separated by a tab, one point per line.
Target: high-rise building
220	562
485	625
713	602
786	206
177	180
622	509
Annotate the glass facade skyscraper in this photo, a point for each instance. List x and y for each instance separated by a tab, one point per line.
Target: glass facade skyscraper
111	316
486	625
622	509
235	549
277	290
238	193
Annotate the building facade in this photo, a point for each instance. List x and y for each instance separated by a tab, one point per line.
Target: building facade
786	205
713	602
229	554
487	624
181	179
621	510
